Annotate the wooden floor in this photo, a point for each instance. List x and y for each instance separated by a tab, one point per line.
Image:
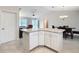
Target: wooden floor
69	46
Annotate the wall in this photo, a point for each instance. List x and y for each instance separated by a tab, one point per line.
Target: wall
53	19
39	16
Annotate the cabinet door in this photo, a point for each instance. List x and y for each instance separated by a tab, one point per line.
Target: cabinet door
56	41
47	38
41	38
33	40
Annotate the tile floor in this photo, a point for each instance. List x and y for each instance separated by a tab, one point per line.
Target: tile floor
69	46
42	50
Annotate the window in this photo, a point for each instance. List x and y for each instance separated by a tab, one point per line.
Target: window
23	22
35	23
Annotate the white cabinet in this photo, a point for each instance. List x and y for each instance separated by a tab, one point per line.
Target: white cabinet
41	38
30	40
47	38
50	39
53	40
33	40
57	41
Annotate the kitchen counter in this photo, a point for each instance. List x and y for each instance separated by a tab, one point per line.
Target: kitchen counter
52	38
41	29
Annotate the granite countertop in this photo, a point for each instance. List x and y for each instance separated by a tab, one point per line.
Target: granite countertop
43	29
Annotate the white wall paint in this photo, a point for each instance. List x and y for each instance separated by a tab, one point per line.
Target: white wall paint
39	15
53	18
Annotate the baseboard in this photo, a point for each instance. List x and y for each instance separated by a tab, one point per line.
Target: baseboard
7	42
46	47
51	49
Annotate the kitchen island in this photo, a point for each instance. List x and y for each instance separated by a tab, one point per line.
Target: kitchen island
50	38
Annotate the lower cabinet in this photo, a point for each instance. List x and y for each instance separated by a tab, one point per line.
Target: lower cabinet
41	38
57	41
50	39
33	42
47	38
53	40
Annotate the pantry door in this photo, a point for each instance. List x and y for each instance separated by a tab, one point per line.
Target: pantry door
7	26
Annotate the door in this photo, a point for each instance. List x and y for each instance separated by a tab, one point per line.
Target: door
7	26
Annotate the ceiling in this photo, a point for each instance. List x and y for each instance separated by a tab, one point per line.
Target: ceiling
49	8
38	10
62	8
